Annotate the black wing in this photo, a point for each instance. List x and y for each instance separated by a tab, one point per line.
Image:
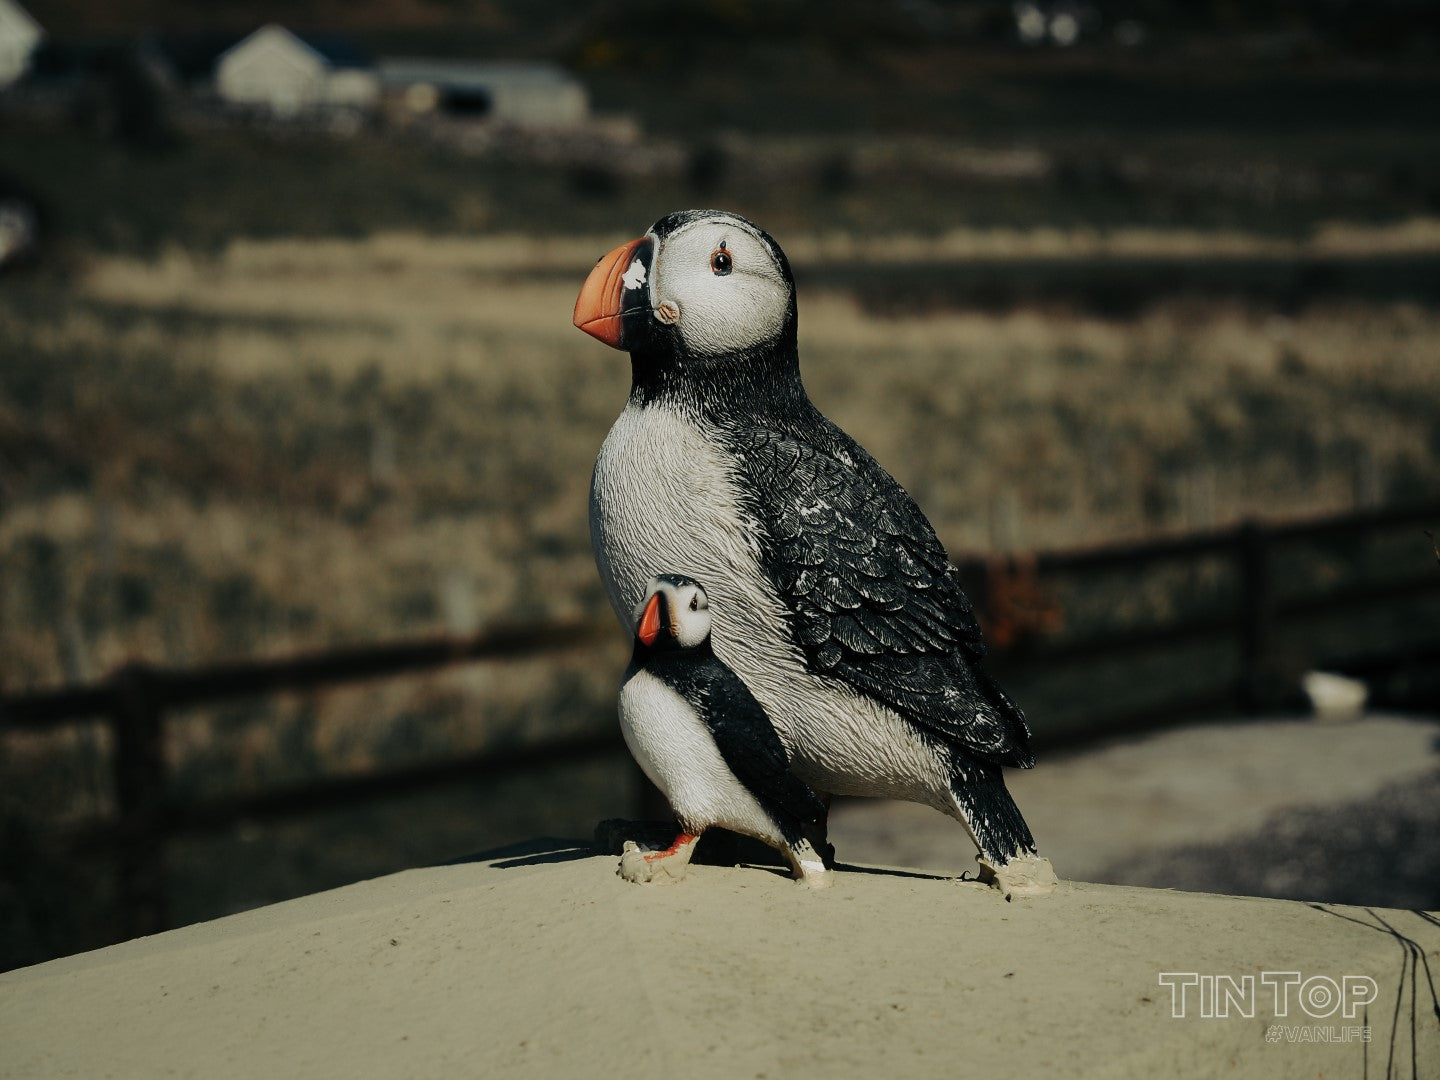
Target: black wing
874	600
744	736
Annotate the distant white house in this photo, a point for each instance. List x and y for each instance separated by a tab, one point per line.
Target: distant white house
287	74
516	92
19	35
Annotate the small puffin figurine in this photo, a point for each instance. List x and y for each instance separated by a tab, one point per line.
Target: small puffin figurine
706	743
839	607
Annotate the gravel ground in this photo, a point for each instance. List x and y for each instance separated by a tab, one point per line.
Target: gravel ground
1381	851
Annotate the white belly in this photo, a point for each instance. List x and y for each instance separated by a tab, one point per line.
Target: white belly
664	500
674	748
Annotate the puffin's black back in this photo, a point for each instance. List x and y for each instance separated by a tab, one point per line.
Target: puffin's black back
874	598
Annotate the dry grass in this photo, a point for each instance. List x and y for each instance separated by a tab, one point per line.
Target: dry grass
1076	415
1098	426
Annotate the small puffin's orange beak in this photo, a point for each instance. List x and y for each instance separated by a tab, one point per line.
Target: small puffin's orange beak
601	308
649	628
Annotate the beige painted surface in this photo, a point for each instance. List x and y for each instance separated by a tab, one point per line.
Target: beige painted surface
548	965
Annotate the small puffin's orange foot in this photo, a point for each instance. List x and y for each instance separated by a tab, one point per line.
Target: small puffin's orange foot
657	867
684	840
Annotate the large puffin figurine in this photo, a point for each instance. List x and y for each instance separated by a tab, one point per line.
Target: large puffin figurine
837	604
706	743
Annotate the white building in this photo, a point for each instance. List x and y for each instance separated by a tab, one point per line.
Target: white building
520	93
287	74
19	35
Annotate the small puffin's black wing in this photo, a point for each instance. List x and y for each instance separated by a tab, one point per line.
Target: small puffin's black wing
743	734
874	598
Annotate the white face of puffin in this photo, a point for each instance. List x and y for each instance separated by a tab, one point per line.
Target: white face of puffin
676	607
716	280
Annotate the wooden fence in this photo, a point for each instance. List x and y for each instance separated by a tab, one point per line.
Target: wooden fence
1256	623
135	700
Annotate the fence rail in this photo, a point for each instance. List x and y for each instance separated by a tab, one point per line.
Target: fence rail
1256	622
134	701
136	698
167	688
1251	546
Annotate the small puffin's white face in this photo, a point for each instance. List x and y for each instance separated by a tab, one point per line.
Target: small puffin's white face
717	282
675	607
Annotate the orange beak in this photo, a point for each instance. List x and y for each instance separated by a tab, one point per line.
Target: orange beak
649	628
601	308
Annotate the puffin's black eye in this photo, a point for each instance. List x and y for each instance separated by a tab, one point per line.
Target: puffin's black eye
694	603
720	261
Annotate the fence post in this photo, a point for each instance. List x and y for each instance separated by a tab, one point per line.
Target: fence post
1257	613
139	764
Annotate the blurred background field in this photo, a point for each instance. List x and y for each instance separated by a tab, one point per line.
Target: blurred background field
275	385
